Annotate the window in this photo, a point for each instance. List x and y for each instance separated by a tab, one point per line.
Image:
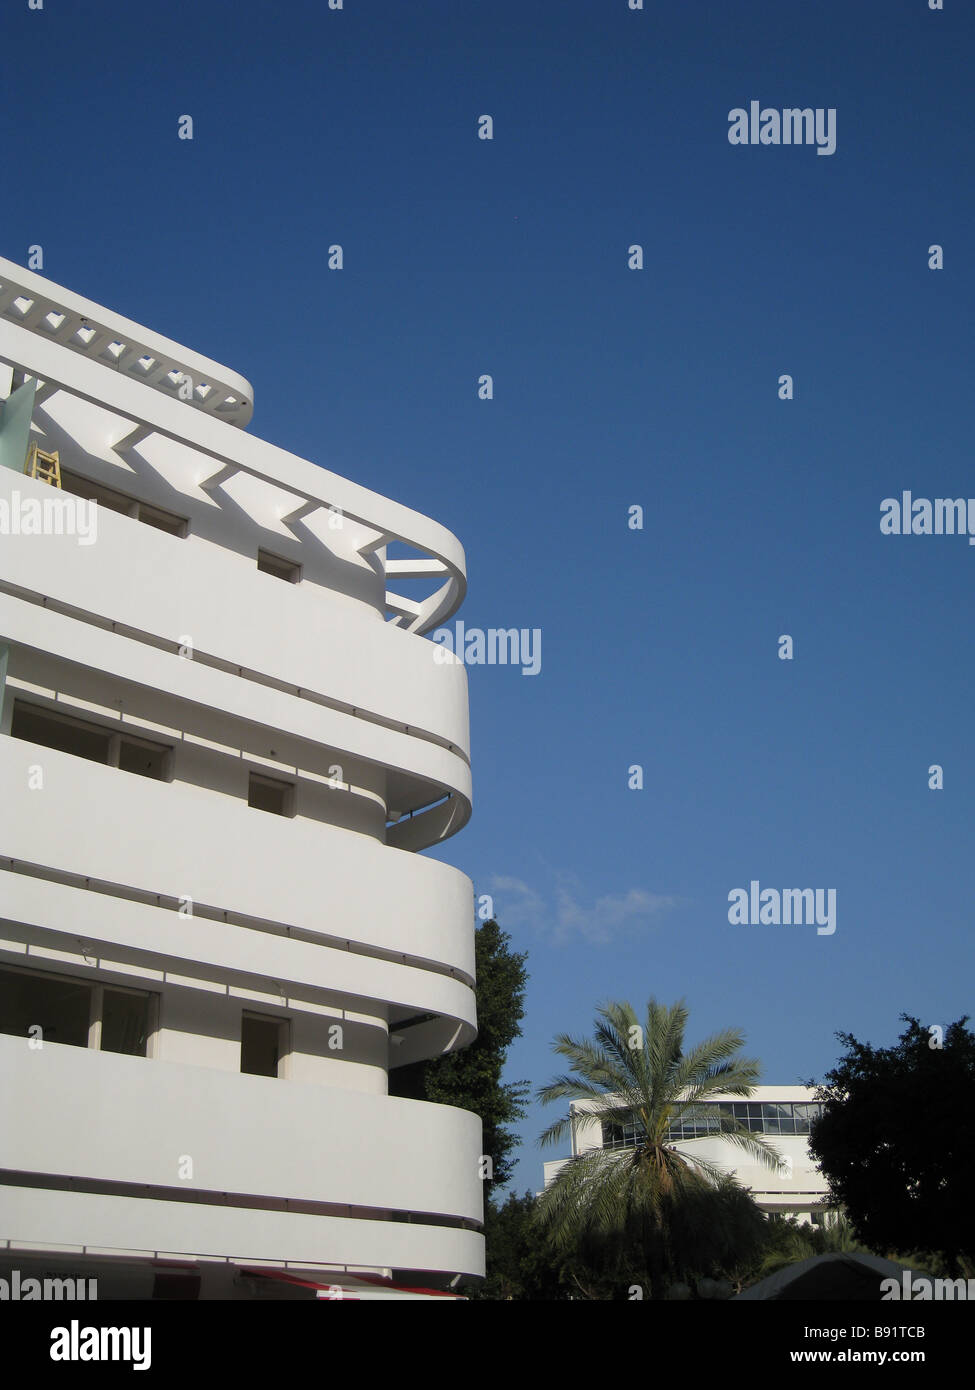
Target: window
805	1115
770	1117
124	1021
76	1013
787	1124
60	1007
695	1122
625	1135
176	1284
104	496
281	569
57	731
93	741
263	1043
163	521
127	506
269	794
146	759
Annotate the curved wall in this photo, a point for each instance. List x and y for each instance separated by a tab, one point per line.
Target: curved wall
322	914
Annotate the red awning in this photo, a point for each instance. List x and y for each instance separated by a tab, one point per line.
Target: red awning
353	1287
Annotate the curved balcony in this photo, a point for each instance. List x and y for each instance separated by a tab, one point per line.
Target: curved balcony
101	1119
113	929
95	1223
212	454
53	651
181	841
300	636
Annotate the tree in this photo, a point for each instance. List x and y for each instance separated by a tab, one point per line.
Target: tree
471	1077
521	1264
653	1208
896	1136
788	1241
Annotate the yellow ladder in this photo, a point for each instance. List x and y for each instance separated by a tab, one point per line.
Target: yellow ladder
47	467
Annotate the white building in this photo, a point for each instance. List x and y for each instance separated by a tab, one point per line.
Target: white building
781	1114
224	739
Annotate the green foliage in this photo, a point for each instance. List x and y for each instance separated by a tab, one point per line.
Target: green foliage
520	1262
652	1212
705	1238
896	1137
471	1077
787	1241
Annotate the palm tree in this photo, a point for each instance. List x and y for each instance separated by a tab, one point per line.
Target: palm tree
790	1242
653	1196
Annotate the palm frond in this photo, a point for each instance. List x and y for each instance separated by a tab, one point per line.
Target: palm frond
752	1144
636	1195
665	1044
557	1131
715	1060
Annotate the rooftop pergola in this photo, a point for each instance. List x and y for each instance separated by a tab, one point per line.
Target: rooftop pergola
71	338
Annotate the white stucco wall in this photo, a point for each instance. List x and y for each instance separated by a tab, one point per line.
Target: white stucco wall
323	916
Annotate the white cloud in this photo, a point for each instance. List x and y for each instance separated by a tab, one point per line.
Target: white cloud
562	917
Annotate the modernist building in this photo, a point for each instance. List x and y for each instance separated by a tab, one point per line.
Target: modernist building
781	1114
224	740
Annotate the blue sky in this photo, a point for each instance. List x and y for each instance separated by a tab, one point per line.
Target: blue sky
612	387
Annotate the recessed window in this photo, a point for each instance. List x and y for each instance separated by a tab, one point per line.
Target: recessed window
163	521
114	501
270	794
59	1007
281	569
57	731
125	1021
75	1013
52	729
147	759
263	1043
104	496
181	1284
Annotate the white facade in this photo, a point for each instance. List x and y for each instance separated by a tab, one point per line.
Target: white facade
216	783
797	1188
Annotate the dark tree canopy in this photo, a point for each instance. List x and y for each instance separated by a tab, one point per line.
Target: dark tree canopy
718	1232
471	1077
896	1139
520	1264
